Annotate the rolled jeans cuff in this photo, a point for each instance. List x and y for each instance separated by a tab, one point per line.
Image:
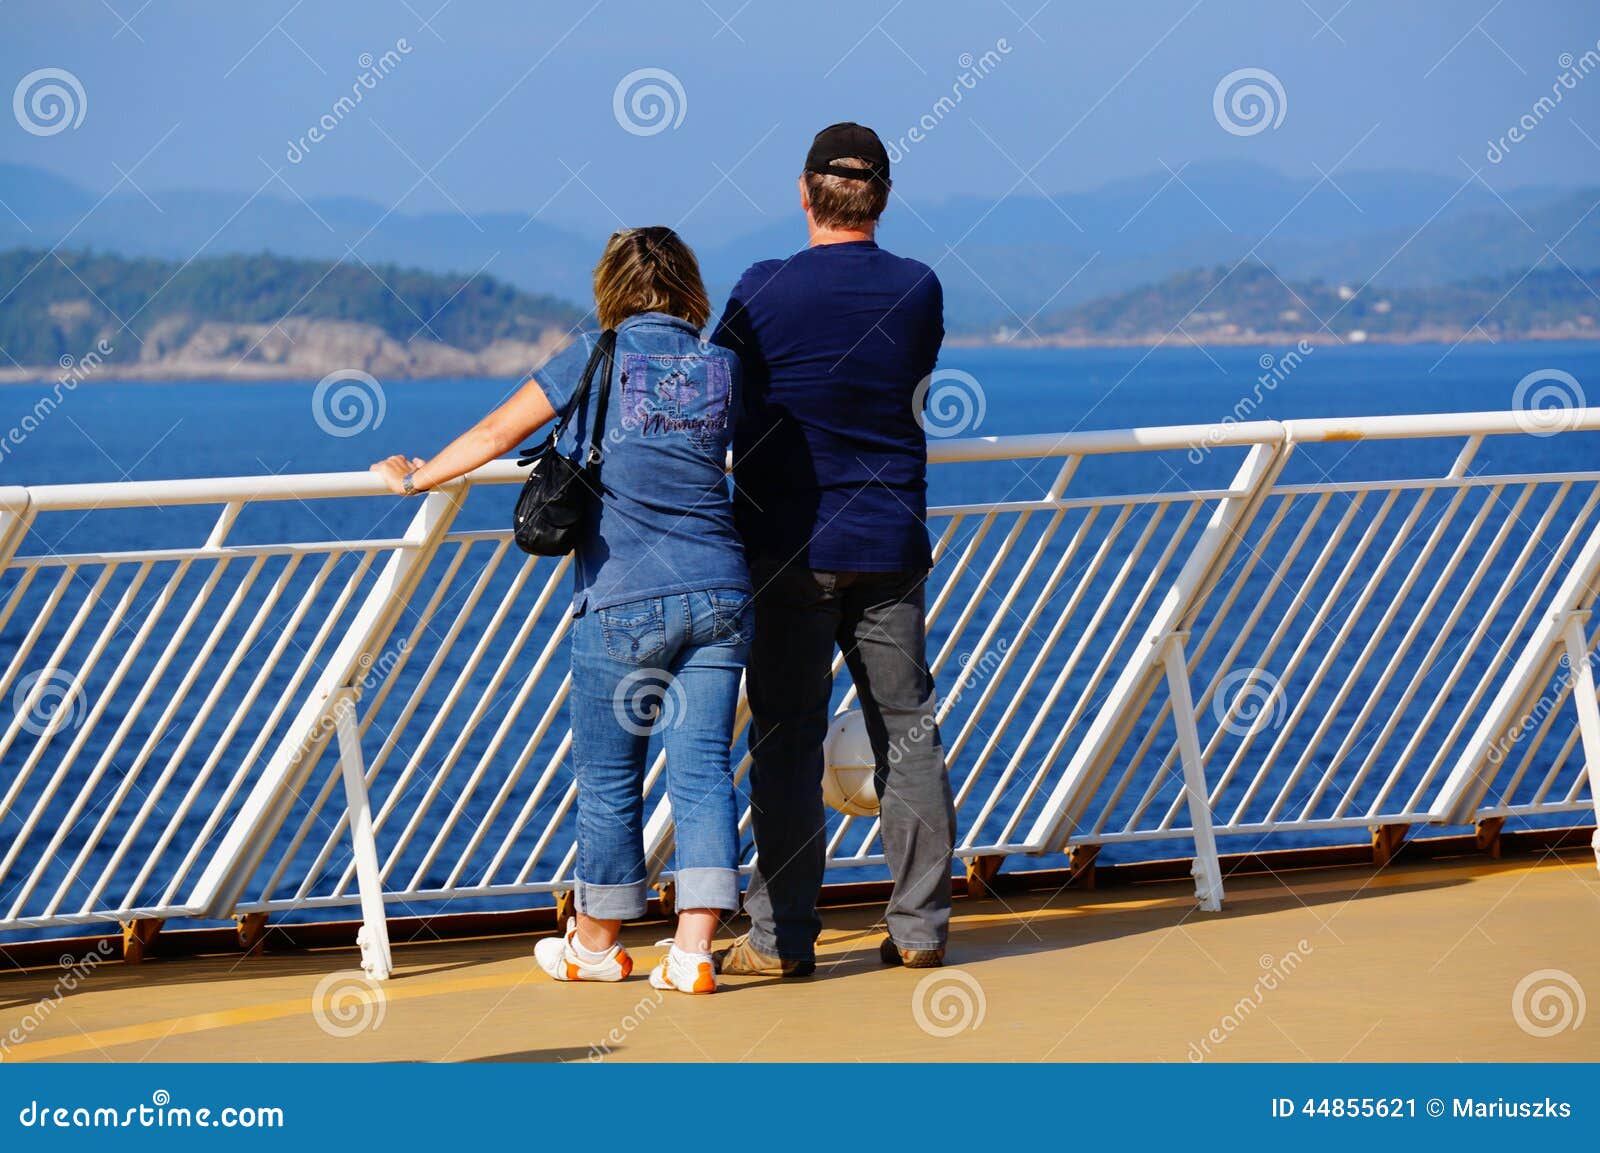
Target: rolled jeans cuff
611	902
706	888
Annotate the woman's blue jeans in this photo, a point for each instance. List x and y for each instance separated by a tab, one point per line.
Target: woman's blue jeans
667	665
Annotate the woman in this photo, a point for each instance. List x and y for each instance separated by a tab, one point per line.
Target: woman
661	599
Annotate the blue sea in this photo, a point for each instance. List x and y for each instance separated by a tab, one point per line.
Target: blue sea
109	430
144	430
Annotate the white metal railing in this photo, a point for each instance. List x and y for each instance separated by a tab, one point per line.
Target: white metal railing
1225	652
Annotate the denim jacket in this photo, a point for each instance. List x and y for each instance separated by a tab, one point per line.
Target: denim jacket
664	523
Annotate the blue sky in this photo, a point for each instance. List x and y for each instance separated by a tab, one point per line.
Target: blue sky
511	105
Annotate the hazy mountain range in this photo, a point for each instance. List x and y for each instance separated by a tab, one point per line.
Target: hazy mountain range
1017	263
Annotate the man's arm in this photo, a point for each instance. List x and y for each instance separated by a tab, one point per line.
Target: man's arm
935	338
734	331
737	333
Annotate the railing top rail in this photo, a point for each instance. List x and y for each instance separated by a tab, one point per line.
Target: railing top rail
322	485
1098	442
1442	424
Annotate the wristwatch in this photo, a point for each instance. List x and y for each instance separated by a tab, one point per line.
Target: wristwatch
405	483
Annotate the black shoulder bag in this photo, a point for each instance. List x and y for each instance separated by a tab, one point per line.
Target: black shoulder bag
555	497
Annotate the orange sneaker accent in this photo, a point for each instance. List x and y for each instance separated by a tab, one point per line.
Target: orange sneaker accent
572	972
626	962
704	982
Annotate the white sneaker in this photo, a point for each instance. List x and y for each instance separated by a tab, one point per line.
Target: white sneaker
684	972
557	957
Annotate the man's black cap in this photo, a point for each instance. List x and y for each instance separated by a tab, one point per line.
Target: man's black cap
849	141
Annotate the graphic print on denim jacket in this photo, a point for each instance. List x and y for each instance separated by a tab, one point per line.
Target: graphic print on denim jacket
662	395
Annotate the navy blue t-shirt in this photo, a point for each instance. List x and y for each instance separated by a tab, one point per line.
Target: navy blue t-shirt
830	461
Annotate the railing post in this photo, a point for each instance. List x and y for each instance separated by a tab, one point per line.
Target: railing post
1139	675
1588	711
1459	797
1207	866
374	935
285	773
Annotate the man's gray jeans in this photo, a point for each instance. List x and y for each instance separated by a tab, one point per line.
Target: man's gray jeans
876	619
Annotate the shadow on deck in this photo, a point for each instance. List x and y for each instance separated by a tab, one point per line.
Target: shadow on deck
1416	961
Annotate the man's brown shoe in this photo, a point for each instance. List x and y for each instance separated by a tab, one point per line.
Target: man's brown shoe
743	959
891	954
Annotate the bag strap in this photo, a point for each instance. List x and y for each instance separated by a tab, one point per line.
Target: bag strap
602	348
606	345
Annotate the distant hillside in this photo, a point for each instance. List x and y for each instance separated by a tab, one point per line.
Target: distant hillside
1250	303
1000	261
258	317
269	316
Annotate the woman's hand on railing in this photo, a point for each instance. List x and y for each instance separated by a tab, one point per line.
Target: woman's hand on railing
394	471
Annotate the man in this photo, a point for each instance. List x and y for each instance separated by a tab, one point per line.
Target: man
830	471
